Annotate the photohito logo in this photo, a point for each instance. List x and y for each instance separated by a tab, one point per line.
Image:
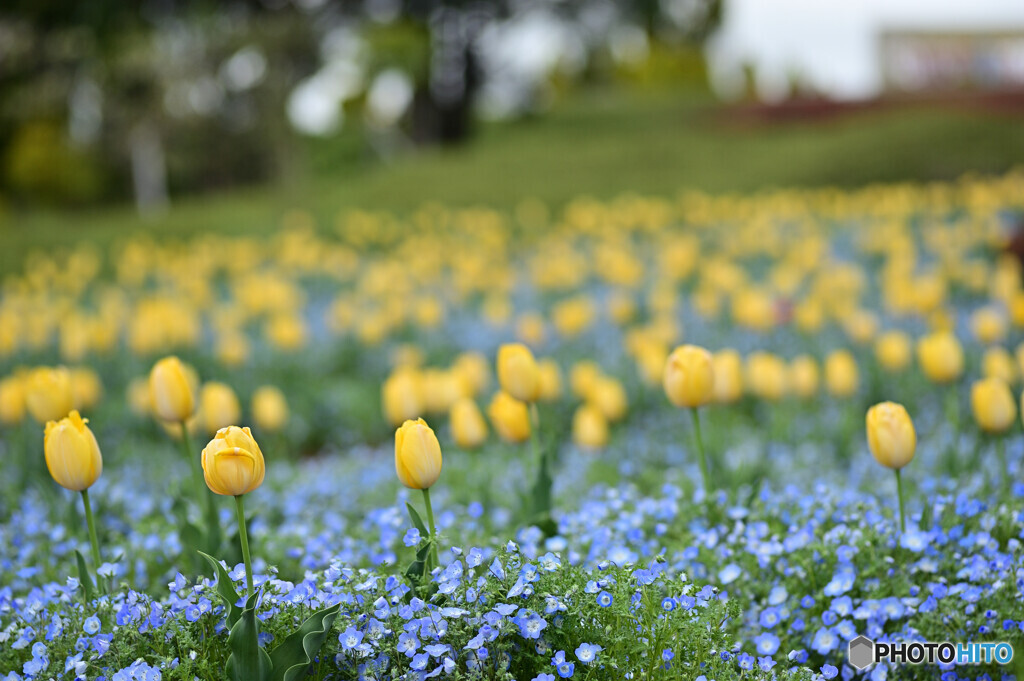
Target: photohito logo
864	652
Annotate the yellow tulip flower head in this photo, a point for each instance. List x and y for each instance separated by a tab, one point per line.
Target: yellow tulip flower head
518	373
941	357
891	435
72	453
48	393
510	417
417	455
401	395
269	409
171	390
233	464
218	406
689	376
803	376
993	405
550	376
468	426
609	396
589	427
727	366
841	374
12	400
893	350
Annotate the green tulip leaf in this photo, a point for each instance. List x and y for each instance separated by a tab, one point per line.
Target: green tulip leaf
84	578
225	589
248	662
417	521
297	652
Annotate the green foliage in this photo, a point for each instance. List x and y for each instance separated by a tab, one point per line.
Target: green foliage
248	661
293	657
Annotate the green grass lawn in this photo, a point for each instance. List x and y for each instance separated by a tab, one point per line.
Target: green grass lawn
601	142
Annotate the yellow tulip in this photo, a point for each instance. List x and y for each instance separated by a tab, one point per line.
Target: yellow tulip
218	406
583	375
233	464
530	329
727	367
609	396
988	325
993	405
550	380
171	392
401	396
689	376
48	393
841	374
997	362
12	400
589	427
468	426
269	409
803	376
767	375
417	455
518	373
72	453
941	357
510	417
473	371
891	435
137	396
892	349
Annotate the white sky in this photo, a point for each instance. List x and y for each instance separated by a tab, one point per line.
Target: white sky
832	43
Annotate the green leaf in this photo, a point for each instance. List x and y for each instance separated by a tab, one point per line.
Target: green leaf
84	578
226	589
418	568
417	521
297	652
248	662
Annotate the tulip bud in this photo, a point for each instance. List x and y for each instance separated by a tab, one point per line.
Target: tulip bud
518	373
841	373
417	455
589	427
941	357
232	462
727	367
767	375
891	435
582	377
893	350
269	409
171	392
988	325
550	377
12	400
48	393
993	405
468	426
72	454
609	396
401	396
510	417
689	376
997	362
218	406
803	376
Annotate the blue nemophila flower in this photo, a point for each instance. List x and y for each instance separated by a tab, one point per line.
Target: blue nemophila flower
412	537
745	661
765	663
531	625
825	640
668	604
828	671
350	638
544	677
407	644
91	626
767	643
769	618
587	653
604	599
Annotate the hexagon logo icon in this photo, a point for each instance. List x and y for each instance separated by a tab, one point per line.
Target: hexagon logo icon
862	652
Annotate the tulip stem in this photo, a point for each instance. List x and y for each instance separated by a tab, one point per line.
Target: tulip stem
899	493
431	532
212	517
244	538
91	522
534	427
700	451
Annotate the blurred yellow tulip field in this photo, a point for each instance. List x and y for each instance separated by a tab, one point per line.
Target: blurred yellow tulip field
701	436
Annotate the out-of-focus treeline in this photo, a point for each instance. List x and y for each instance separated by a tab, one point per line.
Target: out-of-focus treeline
143	100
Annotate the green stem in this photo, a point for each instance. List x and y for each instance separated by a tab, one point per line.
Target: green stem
92	529
207	496
534	427
431	532
899	493
700	451
244	538
1004	472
